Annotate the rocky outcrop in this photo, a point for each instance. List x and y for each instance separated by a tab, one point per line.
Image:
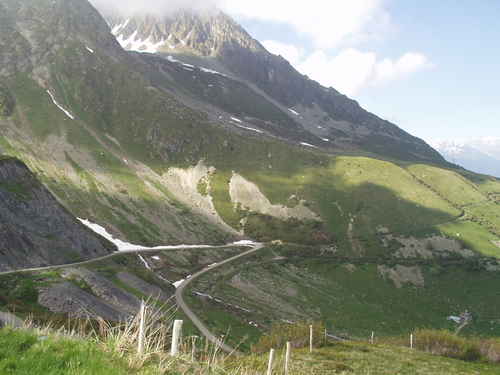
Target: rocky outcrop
248	196
106	290
69	299
149	290
401	275
35	230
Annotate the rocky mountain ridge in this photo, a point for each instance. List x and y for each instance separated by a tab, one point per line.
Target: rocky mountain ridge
214	39
205	33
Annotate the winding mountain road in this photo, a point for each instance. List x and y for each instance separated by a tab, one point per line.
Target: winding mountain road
180	289
118	253
179	297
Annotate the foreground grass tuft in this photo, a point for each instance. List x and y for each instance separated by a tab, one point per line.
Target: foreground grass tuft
23	352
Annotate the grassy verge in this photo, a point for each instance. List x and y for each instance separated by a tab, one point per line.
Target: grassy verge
23	352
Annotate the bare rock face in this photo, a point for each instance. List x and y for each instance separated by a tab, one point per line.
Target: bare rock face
35	230
69	299
106	290
145	288
205	33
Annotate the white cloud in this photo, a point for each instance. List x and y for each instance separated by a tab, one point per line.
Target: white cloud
290	52
327	23
411	62
347	72
350	70
160	7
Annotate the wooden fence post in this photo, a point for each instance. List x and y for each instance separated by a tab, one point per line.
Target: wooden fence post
193	348
142	324
372	339
176	335
287	357
411	341
310	338
270	363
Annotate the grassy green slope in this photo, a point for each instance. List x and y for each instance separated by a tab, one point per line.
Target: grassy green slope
350	295
361	359
27	353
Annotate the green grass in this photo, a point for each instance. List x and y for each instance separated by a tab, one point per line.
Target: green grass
19	293
373	193
239	334
448	184
24	353
362	359
38	112
356	300
473	235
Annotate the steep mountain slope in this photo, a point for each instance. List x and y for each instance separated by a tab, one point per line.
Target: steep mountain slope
159	151
132	142
35	230
478	155
213	39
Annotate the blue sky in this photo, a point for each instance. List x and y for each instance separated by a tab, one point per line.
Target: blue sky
430	66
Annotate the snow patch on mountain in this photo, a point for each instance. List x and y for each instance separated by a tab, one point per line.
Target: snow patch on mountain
64	110
307	144
126	246
481	155
251	129
206	70
133	43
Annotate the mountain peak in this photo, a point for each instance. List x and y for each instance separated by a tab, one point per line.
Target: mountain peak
201	32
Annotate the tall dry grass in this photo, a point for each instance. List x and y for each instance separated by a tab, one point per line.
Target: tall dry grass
297	334
446	344
197	355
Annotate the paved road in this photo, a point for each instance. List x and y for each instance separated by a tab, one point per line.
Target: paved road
115	254
179	297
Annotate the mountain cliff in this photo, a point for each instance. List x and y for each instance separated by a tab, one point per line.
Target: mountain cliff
35	230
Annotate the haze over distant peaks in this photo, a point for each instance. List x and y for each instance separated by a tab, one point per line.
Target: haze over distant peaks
480	155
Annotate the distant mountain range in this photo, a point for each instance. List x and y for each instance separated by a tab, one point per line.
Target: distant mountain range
480	155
